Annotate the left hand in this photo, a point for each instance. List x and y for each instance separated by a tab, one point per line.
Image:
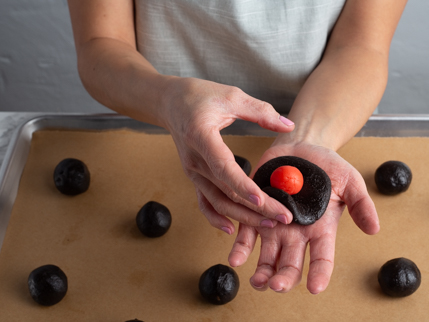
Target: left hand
283	247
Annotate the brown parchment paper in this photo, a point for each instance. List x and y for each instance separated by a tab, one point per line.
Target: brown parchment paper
116	274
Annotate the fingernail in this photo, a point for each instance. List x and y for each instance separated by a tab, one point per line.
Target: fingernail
267	223
286	121
227	230
255	200
258	286
276	290
282	219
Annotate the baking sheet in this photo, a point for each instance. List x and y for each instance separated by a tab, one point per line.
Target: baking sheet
19	146
156	280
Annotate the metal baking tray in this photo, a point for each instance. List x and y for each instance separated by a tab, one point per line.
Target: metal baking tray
19	146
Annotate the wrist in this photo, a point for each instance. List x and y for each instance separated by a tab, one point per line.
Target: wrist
150	100
166	96
306	135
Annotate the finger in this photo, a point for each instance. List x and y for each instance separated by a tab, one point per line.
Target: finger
226	170
220	204
243	245
215	219
291	261
262	113
266	268
360	205
322	252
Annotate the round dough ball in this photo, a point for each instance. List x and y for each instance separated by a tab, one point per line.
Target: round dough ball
47	285
219	284
71	177
393	177
244	164
399	277
153	219
287	178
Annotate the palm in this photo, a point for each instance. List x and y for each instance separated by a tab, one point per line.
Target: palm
283	247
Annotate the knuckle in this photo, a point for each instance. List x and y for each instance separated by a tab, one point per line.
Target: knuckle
244	246
265	107
231	194
322	261
234	197
269	108
252	221
241	251
235	96
290	267
219	206
218	168
234	93
267	267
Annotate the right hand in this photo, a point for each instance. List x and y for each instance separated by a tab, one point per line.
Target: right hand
283	249
194	112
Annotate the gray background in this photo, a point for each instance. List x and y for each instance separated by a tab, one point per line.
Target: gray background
38	61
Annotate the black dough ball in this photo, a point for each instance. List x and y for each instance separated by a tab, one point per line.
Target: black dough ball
311	202
244	164
399	277
393	177
219	284
71	177
47	285
153	219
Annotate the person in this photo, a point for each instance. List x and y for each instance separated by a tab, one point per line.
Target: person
194	67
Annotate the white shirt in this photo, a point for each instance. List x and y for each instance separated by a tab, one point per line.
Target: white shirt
267	48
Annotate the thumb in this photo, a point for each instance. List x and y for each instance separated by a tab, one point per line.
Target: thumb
264	115
360	205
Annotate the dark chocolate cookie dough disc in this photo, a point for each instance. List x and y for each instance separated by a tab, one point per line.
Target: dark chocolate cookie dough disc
311	202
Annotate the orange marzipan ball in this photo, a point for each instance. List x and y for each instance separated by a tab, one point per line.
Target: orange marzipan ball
287	178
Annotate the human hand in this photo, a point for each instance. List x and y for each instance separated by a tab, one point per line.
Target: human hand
195	111
283	248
